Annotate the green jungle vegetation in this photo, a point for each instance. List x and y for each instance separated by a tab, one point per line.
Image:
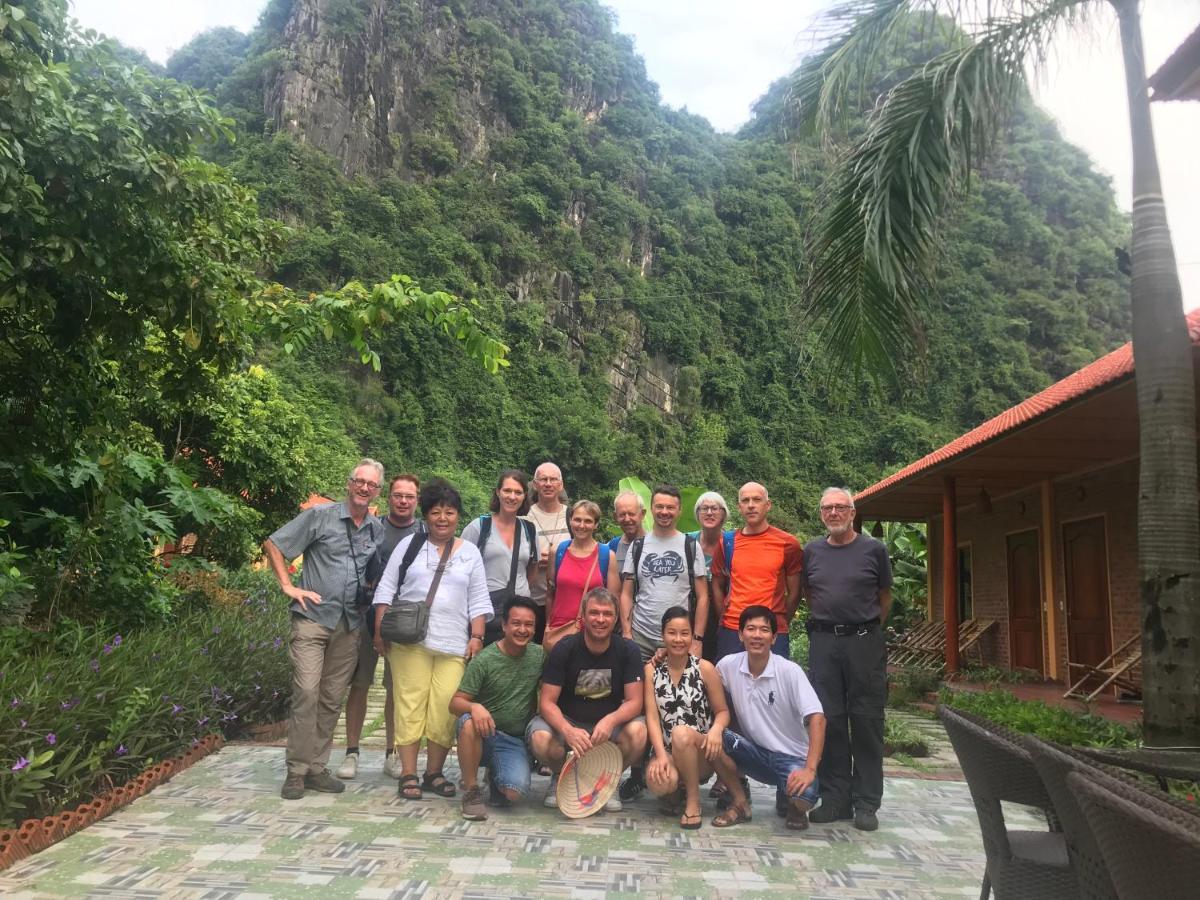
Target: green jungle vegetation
203	318
155	388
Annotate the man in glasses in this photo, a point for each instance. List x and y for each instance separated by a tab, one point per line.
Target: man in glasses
549	516
847	581
399	523
337	541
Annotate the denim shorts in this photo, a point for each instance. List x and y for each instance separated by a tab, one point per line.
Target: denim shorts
767	766
506	759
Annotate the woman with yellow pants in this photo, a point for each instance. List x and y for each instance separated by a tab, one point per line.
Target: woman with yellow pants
425	675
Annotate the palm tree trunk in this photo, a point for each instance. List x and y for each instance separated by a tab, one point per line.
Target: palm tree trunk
1168	504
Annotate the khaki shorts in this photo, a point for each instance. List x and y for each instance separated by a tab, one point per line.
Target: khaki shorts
368	660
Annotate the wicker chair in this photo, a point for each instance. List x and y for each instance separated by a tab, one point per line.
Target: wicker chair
1151	849
1053	765
1020	864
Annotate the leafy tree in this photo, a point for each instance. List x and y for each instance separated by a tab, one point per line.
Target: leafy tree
875	242
208	57
128	289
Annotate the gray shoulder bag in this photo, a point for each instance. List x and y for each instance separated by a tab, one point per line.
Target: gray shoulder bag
408	623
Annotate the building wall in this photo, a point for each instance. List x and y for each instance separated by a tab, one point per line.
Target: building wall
1111	493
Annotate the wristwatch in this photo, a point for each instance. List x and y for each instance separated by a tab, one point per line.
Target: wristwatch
477	637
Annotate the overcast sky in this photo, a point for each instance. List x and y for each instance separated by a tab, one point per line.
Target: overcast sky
716	57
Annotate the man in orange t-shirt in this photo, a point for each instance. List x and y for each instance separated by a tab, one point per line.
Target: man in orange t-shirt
764	570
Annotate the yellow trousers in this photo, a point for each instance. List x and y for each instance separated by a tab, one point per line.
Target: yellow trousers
423	682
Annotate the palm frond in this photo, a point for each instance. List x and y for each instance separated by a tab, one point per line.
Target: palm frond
874	243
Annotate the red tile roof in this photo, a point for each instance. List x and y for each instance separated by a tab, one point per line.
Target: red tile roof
1105	371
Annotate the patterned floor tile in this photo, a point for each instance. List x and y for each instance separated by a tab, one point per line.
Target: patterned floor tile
220	831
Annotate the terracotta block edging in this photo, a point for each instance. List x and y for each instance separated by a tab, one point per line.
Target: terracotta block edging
33	835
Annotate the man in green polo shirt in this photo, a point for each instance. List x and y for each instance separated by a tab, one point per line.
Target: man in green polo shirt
337	541
495	701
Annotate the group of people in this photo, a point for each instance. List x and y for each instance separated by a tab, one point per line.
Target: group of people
527	639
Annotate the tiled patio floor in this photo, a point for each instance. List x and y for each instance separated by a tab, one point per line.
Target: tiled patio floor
219	830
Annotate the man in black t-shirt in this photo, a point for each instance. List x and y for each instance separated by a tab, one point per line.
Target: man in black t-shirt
591	693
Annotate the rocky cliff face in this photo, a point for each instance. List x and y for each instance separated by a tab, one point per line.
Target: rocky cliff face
358	79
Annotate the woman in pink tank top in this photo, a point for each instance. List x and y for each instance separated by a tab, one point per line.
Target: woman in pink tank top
580	569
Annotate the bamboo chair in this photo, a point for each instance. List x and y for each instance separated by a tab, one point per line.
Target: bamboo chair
927	647
1118	668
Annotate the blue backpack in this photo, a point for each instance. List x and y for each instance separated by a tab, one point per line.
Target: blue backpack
727	544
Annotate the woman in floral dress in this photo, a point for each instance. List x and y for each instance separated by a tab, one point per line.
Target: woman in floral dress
686	716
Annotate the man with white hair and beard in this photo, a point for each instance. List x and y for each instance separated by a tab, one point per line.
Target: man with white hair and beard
847	581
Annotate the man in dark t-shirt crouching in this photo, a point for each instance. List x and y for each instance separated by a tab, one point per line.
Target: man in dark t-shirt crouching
591	693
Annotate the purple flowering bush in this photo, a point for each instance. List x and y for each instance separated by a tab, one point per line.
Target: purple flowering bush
84	708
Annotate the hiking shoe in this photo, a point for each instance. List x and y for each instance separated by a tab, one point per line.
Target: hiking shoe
323	782
829	812
391	766
797	818
293	787
472	804
633	786
349	767
551	801
496	798
866	820
614	804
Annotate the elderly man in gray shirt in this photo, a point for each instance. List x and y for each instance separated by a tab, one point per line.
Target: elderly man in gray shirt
847	580
337	541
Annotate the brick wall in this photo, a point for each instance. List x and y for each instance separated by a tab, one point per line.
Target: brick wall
1111	493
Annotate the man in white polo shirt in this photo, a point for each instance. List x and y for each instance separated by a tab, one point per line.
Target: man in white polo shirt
780	720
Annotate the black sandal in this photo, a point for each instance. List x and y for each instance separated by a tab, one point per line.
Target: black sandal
691	821
439	784
410	788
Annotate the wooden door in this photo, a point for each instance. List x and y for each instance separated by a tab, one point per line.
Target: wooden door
1085	565
1025	600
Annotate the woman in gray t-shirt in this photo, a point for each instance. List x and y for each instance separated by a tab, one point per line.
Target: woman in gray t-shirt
495	535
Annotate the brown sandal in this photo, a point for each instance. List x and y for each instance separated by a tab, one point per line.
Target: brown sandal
410	788
733	815
439	784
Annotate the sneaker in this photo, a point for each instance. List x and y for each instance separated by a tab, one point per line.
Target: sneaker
830	812
472	804
633	786
391	767
349	767
614	804
551	801
293	787
866	820
323	782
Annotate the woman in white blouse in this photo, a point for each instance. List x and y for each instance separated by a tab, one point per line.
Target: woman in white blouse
426	675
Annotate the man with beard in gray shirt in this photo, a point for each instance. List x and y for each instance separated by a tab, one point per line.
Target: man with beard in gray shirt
847	580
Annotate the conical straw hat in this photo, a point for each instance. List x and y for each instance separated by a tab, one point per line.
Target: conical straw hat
587	782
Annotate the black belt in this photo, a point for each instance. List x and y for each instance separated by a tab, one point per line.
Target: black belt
841	629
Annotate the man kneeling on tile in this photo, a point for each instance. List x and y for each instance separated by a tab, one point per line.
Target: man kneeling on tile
591	693
494	703
781	726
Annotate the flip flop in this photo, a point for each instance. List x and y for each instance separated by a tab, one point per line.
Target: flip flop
691	821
